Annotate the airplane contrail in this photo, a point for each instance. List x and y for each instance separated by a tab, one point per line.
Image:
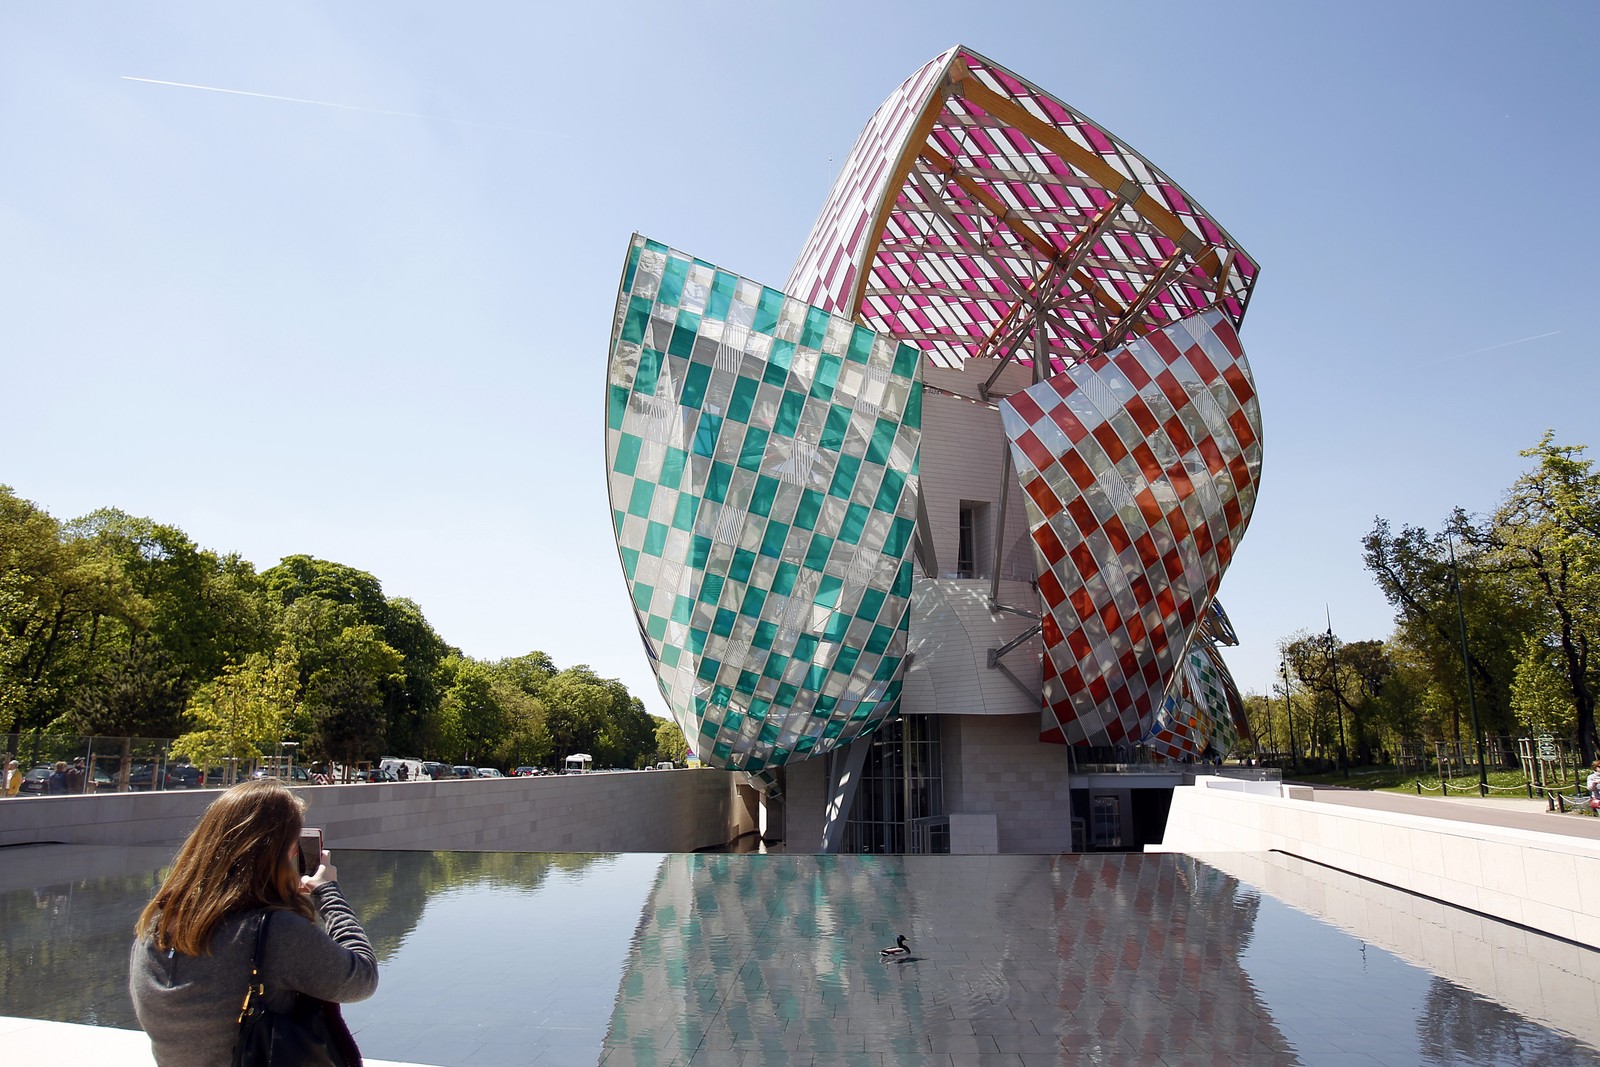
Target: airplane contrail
300	100
1502	344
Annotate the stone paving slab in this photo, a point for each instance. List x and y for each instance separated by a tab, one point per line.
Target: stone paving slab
76	1045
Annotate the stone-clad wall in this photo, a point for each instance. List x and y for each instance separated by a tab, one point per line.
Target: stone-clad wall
656	811
1550	882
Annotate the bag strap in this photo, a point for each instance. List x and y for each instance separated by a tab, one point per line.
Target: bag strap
256	988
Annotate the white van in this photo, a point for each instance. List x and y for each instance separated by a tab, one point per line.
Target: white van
413	768
578	763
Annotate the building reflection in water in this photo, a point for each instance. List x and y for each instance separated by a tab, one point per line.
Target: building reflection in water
503	958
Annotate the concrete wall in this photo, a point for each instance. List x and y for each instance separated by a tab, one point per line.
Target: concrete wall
656	811
996	765
1550	882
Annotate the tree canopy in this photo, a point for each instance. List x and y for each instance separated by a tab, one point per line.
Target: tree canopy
121	626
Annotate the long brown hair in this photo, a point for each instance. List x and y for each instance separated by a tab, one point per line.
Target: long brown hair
237	859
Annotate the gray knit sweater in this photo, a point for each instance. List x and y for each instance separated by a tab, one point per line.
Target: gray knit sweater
189	1005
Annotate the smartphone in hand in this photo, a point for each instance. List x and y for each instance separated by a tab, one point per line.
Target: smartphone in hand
310	850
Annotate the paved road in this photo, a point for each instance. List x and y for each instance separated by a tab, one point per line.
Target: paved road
1514	813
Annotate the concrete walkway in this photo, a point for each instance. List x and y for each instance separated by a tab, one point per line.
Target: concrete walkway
75	1045
1517	813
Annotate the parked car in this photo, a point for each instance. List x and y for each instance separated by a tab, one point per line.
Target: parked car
377	774
37	780
297	775
464	772
185	776
433	770
489	772
525	772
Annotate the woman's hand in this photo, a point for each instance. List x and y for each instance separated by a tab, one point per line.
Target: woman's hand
324	874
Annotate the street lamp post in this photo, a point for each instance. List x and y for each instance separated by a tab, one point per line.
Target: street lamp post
1288	710
1338	709
1466	666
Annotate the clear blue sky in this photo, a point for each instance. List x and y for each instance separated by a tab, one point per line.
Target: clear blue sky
376	333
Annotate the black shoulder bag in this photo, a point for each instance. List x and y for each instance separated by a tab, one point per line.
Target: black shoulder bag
310	1034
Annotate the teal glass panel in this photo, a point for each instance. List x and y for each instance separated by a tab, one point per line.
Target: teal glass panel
767	311
815	328
769	733
672	278
855	522
630	561
889	491
639	502
722	287
783	580
828	591
722	625
912	416
818	551
827	374
682	609
772	541
711	588
718	477
627	454
695	643
683	514
838	626
721	751
899	538
786	694
753	448
871	604
743	560
882	442
805	515
759	708
789	411
708	671
844	477
699	552
616	406
641	596
762	496
656	628
743	399
672	461
766	633
753	600
825	705
860	345
655	537
644	383
684	333
694	385
705	434
805	647
845	662
632	268
833	431
878	642
670	654
747	684
774	668
902	581
815	677
905	361
638	318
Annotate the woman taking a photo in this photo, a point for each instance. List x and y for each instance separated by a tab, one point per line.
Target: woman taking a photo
194	941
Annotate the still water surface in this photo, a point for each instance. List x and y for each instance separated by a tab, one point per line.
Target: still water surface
509	958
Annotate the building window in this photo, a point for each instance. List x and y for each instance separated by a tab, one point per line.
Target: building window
970	538
899	805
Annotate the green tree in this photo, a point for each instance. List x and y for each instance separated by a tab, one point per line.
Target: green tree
1547	533
241	713
1540	693
344	695
670	744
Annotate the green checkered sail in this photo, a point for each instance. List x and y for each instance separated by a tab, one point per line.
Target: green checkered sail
762	460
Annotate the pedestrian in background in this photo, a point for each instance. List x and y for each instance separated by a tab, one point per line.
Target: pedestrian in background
56	784
13	782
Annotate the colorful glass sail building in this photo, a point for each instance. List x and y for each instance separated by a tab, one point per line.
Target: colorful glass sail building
930	535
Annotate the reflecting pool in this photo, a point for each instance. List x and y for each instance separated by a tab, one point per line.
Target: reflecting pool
515	958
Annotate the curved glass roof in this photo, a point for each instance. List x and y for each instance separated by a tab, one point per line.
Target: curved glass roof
978	216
